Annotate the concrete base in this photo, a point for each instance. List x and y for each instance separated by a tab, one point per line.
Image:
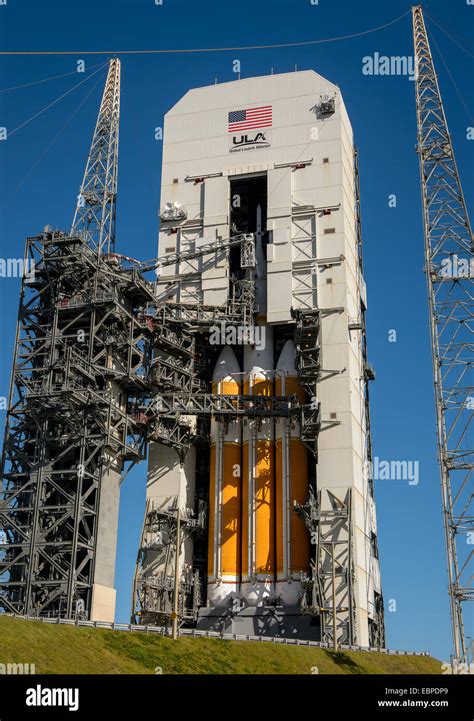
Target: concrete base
103	603
261	621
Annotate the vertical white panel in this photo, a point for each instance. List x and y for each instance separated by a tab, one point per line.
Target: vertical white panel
279	193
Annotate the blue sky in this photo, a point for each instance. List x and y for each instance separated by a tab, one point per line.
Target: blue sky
39	180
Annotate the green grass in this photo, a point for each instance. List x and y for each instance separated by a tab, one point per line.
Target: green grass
68	649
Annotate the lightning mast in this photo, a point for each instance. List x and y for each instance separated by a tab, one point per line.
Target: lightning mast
448	257
94	217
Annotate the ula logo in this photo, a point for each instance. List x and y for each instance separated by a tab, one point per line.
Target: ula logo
245	140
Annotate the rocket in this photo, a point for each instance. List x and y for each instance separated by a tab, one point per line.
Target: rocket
258	546
225	489
258	484
292	542
258	481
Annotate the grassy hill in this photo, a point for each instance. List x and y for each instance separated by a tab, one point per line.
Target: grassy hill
68	649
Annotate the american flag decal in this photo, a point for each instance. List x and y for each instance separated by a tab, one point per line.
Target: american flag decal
249	119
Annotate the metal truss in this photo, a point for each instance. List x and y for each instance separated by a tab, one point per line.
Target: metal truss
240	310
94	218
173	432
448	259
230	407
79	369
154	591
246	241
308	365
329	593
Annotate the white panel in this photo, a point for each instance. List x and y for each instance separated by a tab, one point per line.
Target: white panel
191	292
279	293
216	200
281	237
279	193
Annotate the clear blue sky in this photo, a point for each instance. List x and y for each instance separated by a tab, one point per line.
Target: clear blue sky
39	187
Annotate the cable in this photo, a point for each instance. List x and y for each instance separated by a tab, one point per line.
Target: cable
50	105
45	80
203	50
49	146
471	55
451	78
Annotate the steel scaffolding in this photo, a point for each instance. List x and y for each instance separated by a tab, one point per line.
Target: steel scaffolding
154	582
79	370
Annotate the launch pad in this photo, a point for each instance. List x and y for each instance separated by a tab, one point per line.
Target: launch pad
239	370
